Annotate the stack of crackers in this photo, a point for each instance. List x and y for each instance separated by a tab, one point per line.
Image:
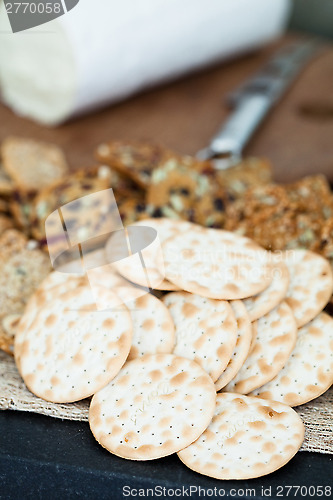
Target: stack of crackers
210	370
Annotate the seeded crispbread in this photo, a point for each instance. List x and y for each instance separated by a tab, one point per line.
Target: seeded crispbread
247	438
242	347
153	327
22	267
71	350
311	284
5	223
309	371
276	338
157	405
135	160
7	186
32	164
216	264
129	267
206	330
261	304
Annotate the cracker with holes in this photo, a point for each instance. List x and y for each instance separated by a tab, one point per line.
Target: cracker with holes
247	438
71	349
157	405
205	330
311	284
7	185
262	303
183	187
241	349
31	164
216	264
54	285
165	229
309	371
22	268
153	327
275	340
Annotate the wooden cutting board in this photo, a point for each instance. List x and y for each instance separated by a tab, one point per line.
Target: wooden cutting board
297	136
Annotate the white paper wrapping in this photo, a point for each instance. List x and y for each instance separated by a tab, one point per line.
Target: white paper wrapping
105	50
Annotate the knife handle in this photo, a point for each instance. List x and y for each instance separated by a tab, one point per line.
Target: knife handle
237	130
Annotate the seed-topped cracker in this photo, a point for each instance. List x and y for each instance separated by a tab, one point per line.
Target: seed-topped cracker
247	438
156	405
31	164
188	189
135	160
69	189
22	268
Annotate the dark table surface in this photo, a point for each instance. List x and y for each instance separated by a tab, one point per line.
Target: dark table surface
48	458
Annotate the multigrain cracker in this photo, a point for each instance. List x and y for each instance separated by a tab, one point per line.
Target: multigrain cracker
157	405
205	330
276	338
135	160
78	185
250	172
242	347
71	350
216	264
22	268
261	304
309	371
5	223
32	164
283	217
7	185
247	438
153	327
311	284
189	189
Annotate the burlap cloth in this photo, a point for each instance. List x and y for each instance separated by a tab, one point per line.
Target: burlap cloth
316	415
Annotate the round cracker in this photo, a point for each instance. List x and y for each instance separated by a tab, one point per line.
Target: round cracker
206	330
153	327
157	405
242	347
129	267
262	303
71	350
216	264
53	285
247	438
311	284
309	371
276	338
